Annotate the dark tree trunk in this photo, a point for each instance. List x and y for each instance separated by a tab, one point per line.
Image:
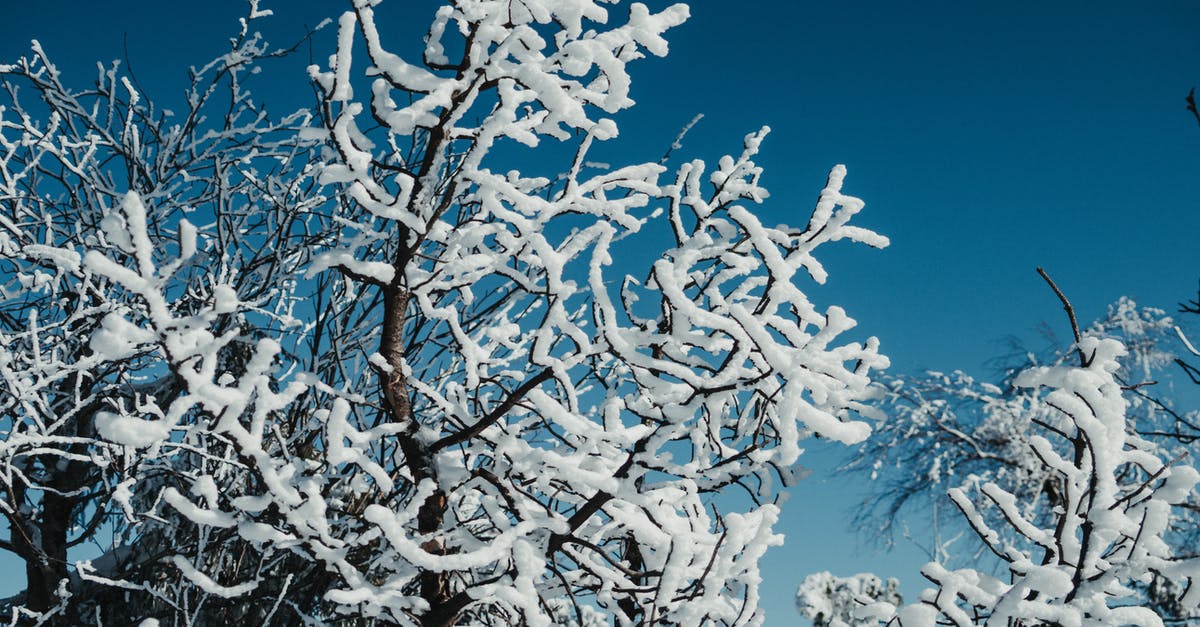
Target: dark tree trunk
435	586
41	542
49	565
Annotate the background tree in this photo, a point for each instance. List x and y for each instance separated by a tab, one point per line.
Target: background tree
831	601
942	427
1105	534
1069	494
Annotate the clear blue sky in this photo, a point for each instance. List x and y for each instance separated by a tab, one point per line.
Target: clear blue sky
986	138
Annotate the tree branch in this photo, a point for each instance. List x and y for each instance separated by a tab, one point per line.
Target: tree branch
1191	104
1083	360
495	415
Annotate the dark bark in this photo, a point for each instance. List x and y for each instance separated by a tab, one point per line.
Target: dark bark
40	540
50	565
434	585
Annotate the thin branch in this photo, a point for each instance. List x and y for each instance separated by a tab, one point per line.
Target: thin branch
1191	104
495	415
1083	360
1145	484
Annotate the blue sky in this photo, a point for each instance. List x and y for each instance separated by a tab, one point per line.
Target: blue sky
986	138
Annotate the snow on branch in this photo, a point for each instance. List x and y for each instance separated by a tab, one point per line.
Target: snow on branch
432	388
1083	563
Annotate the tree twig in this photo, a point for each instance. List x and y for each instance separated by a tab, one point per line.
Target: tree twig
1083	360
1191	104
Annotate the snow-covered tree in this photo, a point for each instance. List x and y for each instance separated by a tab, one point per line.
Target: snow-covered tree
1103	535
942	427
74	165
831	601
462	392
